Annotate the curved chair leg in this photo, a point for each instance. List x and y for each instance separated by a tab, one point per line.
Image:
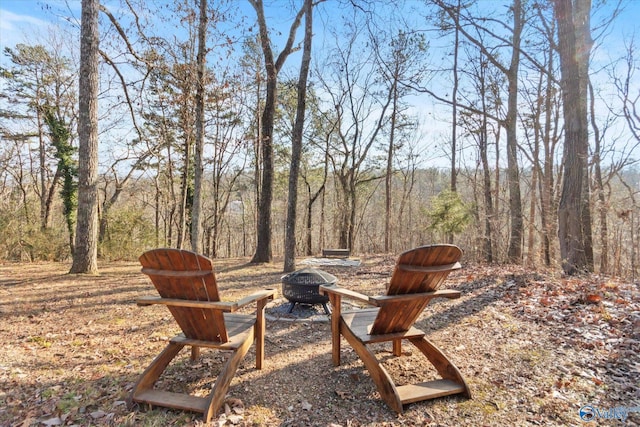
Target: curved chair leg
219	391
155	369
379	374
443	365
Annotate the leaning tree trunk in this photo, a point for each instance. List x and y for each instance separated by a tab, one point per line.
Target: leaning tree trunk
296	143
85	255
272	67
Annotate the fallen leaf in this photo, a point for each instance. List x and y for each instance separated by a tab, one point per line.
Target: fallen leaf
546	301
594	298
235	419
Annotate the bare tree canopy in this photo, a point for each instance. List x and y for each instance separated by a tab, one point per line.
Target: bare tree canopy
233	129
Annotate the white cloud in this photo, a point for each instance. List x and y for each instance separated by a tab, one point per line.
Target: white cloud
11	22
18	28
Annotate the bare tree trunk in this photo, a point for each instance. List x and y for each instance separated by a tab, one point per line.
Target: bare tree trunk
296	142
85	256
574	43
352	215
309	223
535	173
513	174
156	216
272	67
321	242
454	111
454	104
312	199
546	180
263	243
603	207
344	214
196	222
44	206
487	247
408	182
389	172
531	257
184	194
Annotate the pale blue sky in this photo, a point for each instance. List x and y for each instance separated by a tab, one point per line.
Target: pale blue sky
20	18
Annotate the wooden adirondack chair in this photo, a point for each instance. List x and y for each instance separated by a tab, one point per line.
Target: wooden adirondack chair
416	280
187	286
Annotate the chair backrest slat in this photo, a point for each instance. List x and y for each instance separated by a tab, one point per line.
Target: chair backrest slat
186	275
419	270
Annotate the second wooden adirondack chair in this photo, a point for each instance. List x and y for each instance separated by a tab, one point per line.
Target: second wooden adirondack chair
416	280
187	286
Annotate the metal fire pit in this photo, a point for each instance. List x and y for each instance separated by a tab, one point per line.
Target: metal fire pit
302	286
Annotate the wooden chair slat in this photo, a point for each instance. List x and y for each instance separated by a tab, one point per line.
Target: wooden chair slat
415	281
172	400
187	286
173	273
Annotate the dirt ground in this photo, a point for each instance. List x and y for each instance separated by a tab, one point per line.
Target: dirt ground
534	348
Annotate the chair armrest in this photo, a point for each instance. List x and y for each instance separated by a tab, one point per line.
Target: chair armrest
174	302
335	289
256	296
228	306
442	293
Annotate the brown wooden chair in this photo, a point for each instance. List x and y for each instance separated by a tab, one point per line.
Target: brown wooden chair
415	281
187	286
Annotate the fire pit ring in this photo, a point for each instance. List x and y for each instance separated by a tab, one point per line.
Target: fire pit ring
302	286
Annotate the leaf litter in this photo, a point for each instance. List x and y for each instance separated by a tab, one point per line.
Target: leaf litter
534	348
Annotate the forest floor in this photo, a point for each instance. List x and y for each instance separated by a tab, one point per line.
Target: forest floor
534	348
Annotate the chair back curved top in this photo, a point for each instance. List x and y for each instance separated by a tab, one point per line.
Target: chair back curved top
417	271
423	269
186	275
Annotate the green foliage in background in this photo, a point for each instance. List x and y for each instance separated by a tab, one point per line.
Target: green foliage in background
128	235
448	213
20	241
